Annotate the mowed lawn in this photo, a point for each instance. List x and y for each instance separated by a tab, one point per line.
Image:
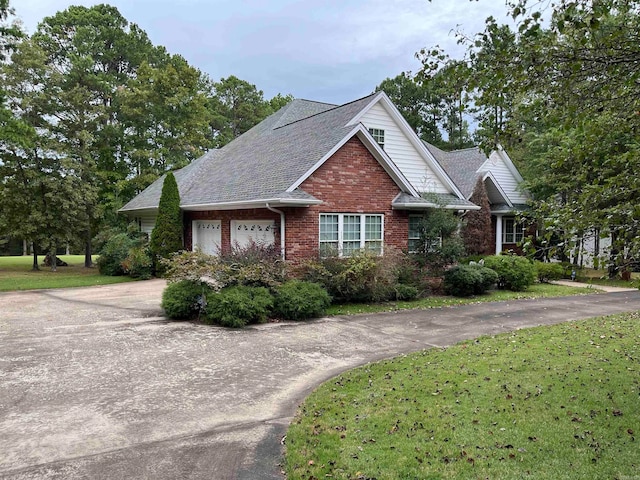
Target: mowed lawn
554	402
16	274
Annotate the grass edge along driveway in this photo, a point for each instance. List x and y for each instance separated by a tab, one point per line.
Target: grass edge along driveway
553	402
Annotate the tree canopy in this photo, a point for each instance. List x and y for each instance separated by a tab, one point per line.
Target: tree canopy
91	113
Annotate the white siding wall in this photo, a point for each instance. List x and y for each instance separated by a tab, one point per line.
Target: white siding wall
147	222
402	152
504	177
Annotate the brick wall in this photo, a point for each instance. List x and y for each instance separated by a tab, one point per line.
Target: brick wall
351	181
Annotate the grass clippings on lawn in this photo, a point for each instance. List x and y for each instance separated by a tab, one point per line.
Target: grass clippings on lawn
553	402
16	274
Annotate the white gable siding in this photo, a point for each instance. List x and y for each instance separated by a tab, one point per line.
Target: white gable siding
146	223
402	152
509	184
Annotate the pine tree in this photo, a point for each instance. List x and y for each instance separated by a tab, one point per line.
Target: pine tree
166	237
476	234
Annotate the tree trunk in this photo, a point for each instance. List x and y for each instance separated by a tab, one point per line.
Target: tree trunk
35	257
25	248
88	263
54	258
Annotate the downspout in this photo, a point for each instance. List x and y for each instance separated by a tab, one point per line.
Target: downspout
282	231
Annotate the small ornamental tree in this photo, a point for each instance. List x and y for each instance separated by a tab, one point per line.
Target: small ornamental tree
166	237
476	233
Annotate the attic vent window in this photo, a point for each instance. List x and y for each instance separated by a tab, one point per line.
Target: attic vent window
378	136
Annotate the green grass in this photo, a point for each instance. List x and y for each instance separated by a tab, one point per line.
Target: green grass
538	290
16	274
554	402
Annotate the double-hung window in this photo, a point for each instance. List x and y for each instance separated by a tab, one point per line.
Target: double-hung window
378	136
512	231
346	233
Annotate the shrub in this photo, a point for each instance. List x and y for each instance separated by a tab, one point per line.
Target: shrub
166	237
196	267
405	292
362	277
549	271
237	306
138	263
114	252
489	278
463	280
514	273
296	300
184	299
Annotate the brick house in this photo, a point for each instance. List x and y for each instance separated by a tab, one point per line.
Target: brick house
311	176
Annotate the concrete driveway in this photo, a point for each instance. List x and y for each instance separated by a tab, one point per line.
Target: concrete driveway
95	383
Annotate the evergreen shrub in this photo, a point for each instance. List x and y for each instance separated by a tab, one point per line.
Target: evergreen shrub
462	281
549	271
298	300
514	272
166	237
405	292
184	300
238	306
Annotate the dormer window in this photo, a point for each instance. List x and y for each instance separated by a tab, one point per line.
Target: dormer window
378	136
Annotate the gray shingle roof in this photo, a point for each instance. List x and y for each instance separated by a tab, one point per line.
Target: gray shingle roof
265	161
461	166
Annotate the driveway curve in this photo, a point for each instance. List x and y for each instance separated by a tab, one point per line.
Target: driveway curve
96	383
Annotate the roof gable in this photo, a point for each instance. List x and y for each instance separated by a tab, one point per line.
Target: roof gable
405	147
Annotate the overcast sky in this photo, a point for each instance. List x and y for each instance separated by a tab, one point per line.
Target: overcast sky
332	51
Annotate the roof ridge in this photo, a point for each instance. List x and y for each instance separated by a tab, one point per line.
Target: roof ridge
326	111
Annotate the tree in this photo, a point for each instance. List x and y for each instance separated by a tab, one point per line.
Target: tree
418	103
93	51
163	112
39	192
440	244
166	237
563	91
236	106
476	233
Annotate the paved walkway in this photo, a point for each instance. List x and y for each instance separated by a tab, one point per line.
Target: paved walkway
604	288
95	383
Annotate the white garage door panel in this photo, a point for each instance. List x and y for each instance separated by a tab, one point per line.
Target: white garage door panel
258	231
207	236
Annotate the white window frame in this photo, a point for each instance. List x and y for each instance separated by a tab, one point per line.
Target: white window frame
378	136
516	232
363	223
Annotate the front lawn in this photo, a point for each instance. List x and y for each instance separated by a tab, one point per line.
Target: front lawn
538	290
553	402
16	274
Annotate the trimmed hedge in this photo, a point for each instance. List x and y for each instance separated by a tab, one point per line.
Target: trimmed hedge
467	280
238	306
514	273
184	300
297	300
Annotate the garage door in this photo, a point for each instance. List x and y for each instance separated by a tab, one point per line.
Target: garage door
207	236
258	231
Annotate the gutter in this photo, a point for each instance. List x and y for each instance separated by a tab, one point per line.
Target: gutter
282	229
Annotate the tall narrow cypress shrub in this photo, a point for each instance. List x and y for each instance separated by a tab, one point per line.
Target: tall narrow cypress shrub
476	234
166	237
